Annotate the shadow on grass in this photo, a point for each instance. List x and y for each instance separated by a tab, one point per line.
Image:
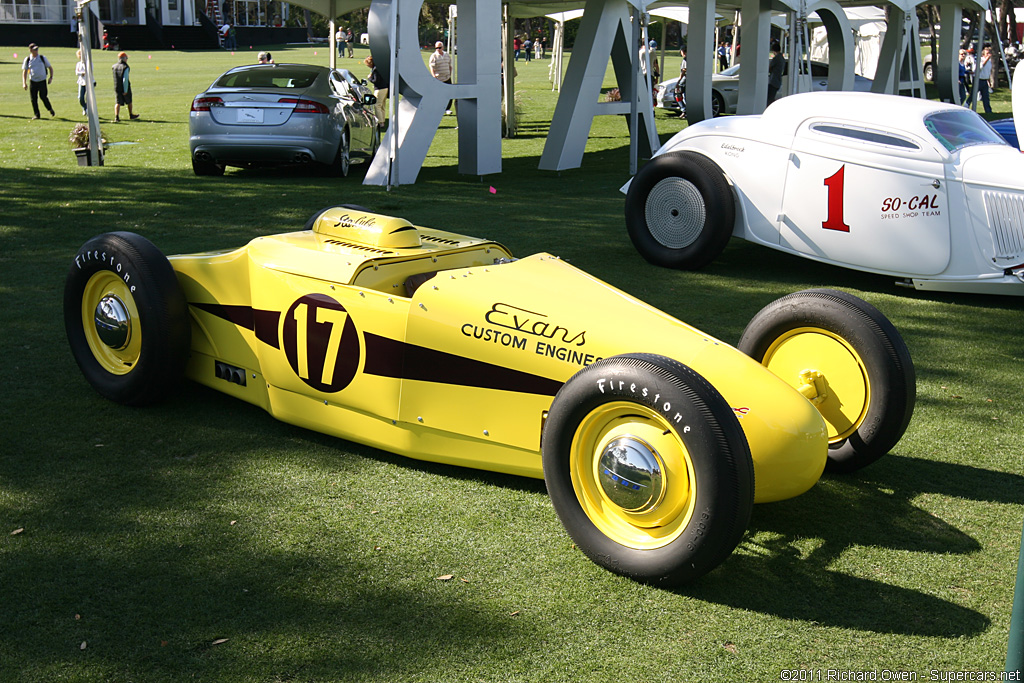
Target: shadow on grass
136	553
281	615
774	577
873	509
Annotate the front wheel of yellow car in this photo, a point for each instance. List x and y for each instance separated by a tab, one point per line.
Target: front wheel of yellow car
126	318
648	469
848	359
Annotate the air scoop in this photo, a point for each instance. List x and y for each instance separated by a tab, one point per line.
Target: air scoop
367	228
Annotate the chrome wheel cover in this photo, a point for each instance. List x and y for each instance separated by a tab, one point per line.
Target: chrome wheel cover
675	213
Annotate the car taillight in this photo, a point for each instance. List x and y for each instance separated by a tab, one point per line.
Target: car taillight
204	103
304	106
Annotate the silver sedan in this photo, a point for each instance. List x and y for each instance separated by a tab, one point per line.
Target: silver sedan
278	114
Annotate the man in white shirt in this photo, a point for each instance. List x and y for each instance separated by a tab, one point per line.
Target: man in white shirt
441	67
37	68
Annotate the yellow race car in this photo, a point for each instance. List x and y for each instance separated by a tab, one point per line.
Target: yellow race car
654	439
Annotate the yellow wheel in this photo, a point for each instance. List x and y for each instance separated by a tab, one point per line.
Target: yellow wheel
110	321
126	318
648	469
620	462
828	372
846	358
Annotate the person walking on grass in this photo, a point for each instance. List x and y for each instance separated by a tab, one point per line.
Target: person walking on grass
984	74
441	67
122	88
36	75
339	38
80	77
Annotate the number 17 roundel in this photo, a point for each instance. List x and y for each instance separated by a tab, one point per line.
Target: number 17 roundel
321	342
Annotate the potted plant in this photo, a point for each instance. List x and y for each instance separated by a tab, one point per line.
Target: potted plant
79	139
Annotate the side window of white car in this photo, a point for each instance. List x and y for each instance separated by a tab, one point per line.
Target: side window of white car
865	135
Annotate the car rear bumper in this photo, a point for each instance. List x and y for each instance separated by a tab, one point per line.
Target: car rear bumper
260	149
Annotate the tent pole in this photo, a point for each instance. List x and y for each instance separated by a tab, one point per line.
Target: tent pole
333	39
393	129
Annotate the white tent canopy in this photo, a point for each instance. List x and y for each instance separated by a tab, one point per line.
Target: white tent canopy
682	15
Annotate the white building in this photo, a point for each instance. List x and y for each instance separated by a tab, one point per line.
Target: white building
134	24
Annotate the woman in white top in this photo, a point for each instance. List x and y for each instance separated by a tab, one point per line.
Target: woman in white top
985	73
80	73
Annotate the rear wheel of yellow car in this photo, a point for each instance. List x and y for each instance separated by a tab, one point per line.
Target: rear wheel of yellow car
848	359
126	318
648	469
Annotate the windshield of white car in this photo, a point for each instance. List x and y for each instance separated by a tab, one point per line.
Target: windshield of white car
961	128
287	77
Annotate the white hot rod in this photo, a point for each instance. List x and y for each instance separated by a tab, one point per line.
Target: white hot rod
920	190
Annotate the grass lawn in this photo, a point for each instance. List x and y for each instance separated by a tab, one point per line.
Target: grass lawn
203	540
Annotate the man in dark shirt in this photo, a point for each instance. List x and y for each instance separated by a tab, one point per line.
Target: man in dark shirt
122	87
776	67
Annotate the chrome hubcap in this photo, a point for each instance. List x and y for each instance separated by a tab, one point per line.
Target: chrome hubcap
675	213
113	324
631	474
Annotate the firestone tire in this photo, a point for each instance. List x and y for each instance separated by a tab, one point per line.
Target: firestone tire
680	211
126	319
648	469
849	360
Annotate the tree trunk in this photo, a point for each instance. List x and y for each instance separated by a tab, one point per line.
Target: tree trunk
932	38
1005	12
309	24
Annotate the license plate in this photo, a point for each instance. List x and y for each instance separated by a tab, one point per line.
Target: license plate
250	116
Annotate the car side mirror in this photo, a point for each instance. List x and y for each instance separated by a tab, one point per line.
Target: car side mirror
362	82
369	99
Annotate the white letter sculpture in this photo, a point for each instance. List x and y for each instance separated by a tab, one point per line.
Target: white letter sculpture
424	98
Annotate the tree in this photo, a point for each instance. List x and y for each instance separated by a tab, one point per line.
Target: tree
1007	22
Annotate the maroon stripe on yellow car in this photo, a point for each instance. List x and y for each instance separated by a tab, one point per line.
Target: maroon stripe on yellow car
387	357
392	358
263	323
